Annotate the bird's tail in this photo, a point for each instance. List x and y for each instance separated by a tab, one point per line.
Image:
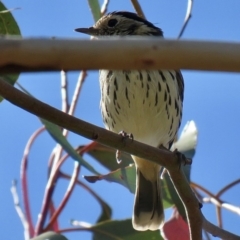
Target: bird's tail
148	208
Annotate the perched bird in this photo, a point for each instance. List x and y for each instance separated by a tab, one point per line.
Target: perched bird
146	103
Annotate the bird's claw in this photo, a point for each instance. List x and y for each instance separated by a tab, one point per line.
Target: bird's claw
124	136
182	159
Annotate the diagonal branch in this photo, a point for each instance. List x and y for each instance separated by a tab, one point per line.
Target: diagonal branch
218	232
161	156
169	160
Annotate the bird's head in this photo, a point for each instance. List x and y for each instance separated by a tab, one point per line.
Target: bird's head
122	23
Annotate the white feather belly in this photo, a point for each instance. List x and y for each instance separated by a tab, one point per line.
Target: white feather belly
137	104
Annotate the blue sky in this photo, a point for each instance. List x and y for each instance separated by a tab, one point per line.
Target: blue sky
212	100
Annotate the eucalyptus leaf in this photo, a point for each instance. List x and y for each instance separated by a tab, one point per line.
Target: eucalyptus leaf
56	133
186	144
95	9
126	176
123	229
8	26
106	156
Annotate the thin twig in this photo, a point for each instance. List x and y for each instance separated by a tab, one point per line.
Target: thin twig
195	185
24	181
187	17
73	181
218	232
9	10
19	211
58	149
97	197
138	8
219	216
55	225
160	156
66	196
207	237
222	204
230	185
64	91
215	200
77	91
104	7
51	184
50	161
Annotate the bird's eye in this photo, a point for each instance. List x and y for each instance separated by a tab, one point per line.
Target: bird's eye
112	22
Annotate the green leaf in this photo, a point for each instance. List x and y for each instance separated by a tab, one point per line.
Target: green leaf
166	196
56	133
8	26
187	141
116	230
107	157
106	212
50	236
187	145
126	176
95	9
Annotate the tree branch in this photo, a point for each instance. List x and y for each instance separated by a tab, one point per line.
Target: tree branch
167	159
161	156
218	232
149	53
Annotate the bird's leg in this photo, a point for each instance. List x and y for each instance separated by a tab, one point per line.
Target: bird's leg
124	136
164	170
182	159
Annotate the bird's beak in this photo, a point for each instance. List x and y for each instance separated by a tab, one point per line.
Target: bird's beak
90	31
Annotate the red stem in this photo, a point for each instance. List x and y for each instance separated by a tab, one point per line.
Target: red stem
230	185
47	198
55	226
73	181
24	181
66	196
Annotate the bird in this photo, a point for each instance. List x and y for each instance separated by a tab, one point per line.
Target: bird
146	103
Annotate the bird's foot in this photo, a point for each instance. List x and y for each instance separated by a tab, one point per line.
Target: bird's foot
124	136
182	159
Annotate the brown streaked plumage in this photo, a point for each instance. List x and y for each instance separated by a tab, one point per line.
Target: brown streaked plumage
146	103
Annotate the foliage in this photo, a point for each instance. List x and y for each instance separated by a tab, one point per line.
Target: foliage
123	173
